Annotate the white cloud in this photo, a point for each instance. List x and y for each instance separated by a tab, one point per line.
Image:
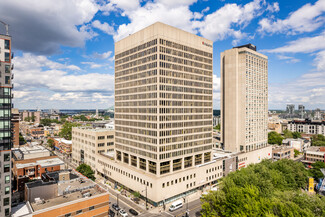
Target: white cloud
34	72
306	19
43	26
221	23
288	59
104	55
302	45
105	27
92	65
273	8
175	13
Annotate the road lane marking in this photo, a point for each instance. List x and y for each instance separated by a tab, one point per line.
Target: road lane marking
188	210
124	203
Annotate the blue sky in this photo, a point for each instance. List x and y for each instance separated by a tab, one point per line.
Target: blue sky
64	50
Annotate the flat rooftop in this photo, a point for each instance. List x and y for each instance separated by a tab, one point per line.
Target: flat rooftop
77	187
43	163
95	129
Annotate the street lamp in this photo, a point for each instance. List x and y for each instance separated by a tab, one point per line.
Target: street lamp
146	197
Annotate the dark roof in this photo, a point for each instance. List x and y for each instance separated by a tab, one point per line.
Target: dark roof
250	46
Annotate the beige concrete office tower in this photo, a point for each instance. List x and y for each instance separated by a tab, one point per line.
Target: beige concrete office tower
163	100
244	99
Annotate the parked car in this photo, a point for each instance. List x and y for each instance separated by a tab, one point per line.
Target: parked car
123	213
133	212
116	207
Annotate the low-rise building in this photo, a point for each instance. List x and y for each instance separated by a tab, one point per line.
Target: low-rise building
282	152
314	154
298	144
87	142
64	146
64	193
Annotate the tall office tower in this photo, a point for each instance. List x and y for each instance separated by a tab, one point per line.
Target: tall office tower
290	109
244	99
163	100
301	109
317	114
5	124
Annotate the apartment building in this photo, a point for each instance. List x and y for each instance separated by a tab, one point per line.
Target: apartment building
87	142
244	99
6	86
31	116
307	126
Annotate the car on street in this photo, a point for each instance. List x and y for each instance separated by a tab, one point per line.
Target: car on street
116	207
133	212
123	213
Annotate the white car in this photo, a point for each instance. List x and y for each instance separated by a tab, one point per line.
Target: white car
123	213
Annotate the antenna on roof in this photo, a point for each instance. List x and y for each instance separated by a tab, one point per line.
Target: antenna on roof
6	26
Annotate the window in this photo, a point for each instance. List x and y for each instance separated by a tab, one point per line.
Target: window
6	157
110	137
6	168
7	44
78	212
7	190
101	137
7	179
67	215
101	144
91	208
7	80
7	57
7	212
7	68
6	201
110	143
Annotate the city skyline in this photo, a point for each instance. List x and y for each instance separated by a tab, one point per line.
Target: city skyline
67	61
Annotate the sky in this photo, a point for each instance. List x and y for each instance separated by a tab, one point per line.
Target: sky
64	49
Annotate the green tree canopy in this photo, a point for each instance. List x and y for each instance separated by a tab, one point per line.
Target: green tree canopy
66	131
274	138
86	170
265	189
318	140
296	135
315	170
287	134
50	142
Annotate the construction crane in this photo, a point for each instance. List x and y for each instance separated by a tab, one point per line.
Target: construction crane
6	26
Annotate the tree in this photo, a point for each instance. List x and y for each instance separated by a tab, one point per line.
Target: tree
50	142
66	131
264	189
136	194
217	127
287	134
296	135
318	140
86	170
274	138
296	152
315	170
22	140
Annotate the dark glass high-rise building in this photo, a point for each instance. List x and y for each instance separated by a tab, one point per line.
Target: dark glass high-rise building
5	123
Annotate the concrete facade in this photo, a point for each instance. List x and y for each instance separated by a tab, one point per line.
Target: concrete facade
87	142
244	99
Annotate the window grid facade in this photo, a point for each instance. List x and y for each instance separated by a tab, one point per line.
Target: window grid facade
163	105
